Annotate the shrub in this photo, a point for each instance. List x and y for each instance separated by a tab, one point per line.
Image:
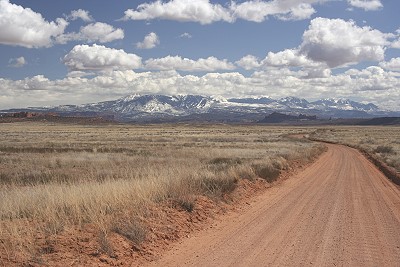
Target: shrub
187	203
266	172
132	229
105	245
228	161
217	185
384	149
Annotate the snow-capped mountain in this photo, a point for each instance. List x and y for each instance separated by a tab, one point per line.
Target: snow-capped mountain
294	102
344	104
260	100
197	107
156	104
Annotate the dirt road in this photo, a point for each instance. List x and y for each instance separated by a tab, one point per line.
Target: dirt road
340	211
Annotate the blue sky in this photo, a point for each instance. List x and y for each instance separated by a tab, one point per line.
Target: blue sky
73	52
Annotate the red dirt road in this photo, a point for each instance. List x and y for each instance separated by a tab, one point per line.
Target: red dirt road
340	211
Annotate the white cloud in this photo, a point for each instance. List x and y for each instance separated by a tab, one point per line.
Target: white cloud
17	62
201	11
23	27
259	11
205	12
300	12
150	41
366	4
393	64
97	58
94	32
249	62
79	73
101	32
374	81
327	43
313	73
80	14
255	11
288	58
396	43
185	64
337	42
293	58
185	35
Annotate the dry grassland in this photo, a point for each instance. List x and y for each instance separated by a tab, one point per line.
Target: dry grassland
383	142
54	177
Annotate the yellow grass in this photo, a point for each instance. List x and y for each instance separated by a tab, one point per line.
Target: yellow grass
56	176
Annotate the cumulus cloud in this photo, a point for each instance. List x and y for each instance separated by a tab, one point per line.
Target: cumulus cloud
337	42
97	58
80	14
396	43
327	43
288	58
294	58
21	26
393	64
366	4
17	62
94	32
313	73
201	11
205	12
186	35
101	32
374	80
300	12
249	62
150	41
259	11
185	64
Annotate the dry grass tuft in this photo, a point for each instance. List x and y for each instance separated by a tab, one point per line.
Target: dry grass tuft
104	243
133	229
384	150
267	172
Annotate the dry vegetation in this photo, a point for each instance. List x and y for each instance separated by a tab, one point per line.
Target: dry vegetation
383	142
54	178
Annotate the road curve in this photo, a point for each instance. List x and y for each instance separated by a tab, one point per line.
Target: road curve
340	211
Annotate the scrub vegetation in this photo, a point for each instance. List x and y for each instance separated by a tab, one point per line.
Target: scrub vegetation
58	177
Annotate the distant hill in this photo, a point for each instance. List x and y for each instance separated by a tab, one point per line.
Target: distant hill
54	117
276	117
381	121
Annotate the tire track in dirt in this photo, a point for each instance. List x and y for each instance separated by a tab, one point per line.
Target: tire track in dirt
340	211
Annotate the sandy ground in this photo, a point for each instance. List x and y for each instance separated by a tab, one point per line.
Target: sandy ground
340	211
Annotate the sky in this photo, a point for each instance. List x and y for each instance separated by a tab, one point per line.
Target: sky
75	52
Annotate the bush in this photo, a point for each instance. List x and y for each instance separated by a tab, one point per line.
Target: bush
384	149
267	172
227	161
186	203
218	185
132	229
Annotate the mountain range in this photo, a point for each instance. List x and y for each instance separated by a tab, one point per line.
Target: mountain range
159	108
